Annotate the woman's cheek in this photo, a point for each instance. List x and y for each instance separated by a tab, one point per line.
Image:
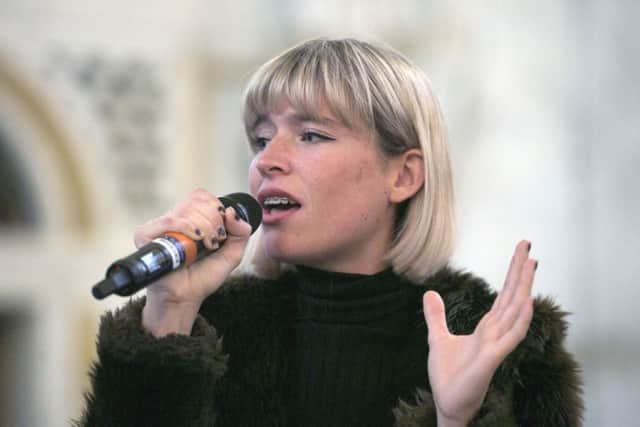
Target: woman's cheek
253	178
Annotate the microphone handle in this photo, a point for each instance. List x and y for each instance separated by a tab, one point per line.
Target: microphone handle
155	259
168	253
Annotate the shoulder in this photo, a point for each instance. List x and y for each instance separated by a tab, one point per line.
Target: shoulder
466	296
546	378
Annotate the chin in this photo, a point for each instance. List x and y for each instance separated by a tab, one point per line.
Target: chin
277	249
281	252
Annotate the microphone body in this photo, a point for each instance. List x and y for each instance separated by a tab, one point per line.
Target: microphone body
167	253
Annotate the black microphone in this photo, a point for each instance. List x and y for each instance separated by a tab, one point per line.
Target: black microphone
167	253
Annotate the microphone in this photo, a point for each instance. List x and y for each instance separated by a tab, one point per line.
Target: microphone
167	253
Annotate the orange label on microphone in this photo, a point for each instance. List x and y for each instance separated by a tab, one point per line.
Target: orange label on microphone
190	248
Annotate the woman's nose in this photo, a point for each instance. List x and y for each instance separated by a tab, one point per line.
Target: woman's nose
274	157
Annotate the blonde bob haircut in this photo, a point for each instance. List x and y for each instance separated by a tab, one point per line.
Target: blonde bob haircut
373	86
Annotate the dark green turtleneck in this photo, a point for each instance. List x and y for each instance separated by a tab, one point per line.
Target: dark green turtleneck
349	330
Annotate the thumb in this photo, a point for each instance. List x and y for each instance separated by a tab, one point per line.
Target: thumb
434	315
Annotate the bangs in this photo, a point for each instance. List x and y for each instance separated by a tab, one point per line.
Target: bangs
310	77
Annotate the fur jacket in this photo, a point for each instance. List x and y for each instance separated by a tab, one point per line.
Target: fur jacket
203	380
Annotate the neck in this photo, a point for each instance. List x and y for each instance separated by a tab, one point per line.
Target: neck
354	260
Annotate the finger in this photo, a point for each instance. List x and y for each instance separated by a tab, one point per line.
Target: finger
214	211
526	281
210	207
204	210
210	203
235	225
509	341
521	327
207	225
511	313
159	226
434	315
205	202
520	255
202	195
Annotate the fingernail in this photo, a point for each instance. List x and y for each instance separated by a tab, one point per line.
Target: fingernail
222	232
198	232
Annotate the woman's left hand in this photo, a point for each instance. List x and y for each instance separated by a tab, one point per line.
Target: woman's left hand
461	366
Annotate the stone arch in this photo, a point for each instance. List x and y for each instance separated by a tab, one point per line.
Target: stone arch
31	100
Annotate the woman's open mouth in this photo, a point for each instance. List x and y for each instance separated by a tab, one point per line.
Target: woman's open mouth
275	208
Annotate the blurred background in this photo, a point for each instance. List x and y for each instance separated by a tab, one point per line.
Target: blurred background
110	112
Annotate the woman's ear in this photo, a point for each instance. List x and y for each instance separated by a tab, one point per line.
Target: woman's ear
407	176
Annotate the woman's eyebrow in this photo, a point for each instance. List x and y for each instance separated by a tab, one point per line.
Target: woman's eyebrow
259	121
294	119
321	120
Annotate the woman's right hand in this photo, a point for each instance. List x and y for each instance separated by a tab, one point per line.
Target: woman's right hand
174	300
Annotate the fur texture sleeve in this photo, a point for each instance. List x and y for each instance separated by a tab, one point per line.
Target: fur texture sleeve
495	411
548	390
422	413
141	380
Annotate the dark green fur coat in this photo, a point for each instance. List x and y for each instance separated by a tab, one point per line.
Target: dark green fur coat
204	380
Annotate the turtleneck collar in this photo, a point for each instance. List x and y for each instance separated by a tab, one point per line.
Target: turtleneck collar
327	296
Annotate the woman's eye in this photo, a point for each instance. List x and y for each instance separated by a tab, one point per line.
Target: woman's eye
315	137
259	143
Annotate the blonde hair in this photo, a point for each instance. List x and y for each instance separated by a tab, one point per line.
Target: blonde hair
376	87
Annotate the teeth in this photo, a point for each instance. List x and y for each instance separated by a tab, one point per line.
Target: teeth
275	201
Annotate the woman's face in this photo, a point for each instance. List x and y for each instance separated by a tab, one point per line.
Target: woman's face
324	192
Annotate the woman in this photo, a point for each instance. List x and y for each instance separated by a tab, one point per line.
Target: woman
352	171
